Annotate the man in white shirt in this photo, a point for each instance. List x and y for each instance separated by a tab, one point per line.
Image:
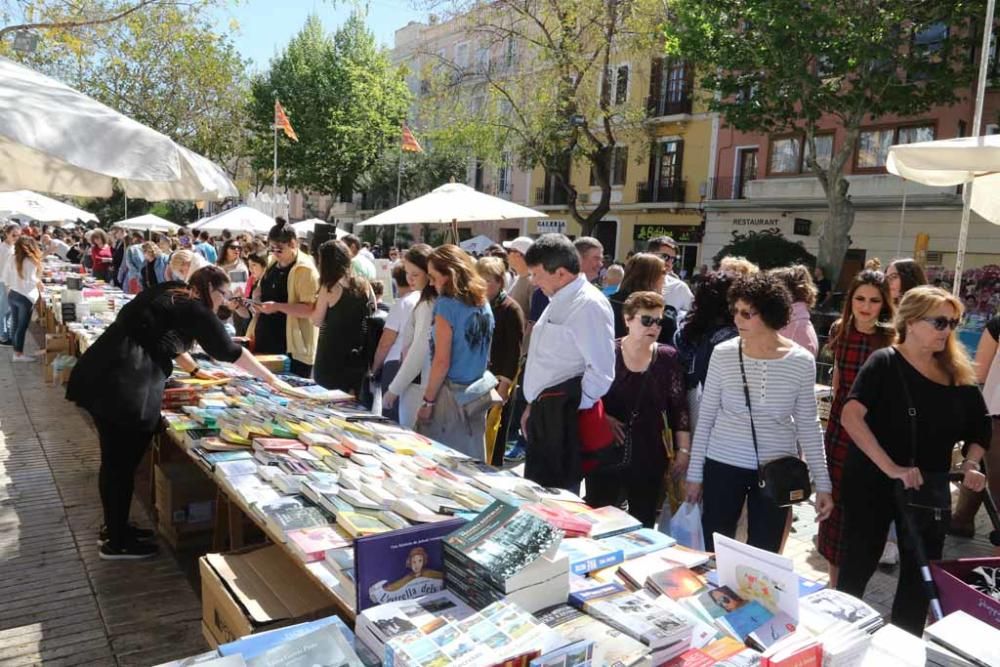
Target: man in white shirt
10	233
591	257
362	266
54	246
390	345
676	293
571	362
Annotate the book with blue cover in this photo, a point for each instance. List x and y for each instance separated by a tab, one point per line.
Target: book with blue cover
253	645
639	542
586	555
745	620
402	564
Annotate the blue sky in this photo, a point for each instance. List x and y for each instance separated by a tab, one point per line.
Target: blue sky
265	26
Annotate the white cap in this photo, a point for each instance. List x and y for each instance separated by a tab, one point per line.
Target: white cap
520	244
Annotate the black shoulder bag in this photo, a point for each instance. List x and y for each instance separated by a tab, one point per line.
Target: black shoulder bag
618	457
934	496
785	481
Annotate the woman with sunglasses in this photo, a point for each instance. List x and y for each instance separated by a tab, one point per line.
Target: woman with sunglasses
286	295
120	380
779	377
864	327
647	395
909	406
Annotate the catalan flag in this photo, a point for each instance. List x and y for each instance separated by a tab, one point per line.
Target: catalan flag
410	143
281	121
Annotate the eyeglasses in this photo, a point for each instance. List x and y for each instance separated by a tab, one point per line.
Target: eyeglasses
941	323
743	312
650	321
276	249
668	258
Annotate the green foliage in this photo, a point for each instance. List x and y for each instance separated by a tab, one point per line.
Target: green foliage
787	65
418	174
344	98
768	249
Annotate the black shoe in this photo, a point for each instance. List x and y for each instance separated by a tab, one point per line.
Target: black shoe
6	342
134	532
130	551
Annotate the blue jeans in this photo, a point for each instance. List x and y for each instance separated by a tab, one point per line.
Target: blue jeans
20	318
4	313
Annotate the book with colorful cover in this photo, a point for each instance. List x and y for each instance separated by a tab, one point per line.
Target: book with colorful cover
359	525
323	646
569	522
253	645
640	542
676	582
714	603
611	646
745	620
634	613
586	555
277	444
311	544
402	564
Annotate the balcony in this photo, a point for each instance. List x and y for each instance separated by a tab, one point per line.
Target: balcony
668	192
668	105
806	187
550	197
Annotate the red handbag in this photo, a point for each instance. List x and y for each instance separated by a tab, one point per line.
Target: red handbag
595	435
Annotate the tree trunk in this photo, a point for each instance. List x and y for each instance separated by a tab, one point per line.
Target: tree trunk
834	237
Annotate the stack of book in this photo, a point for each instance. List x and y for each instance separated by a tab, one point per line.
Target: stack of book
506	553
610	646
377	625
961	639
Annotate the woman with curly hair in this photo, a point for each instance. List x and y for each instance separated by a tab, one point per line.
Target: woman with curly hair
779	377
864	326
460	349
707	324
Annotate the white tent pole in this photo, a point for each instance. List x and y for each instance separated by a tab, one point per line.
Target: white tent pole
902	219
977	129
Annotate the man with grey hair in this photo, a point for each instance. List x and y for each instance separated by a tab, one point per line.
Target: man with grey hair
591	256
570	366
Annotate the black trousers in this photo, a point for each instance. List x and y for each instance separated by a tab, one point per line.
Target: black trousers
301	369
868	511
122	449
725	489
637	494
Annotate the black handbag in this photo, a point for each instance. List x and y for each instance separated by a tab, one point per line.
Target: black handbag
934	495
785	481
617	457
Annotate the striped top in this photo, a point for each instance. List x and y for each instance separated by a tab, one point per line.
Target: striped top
784	413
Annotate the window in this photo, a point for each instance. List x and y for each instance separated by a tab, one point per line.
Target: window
614	85
874	144
992	128
785	156
931	39
504	173
824	151
619	167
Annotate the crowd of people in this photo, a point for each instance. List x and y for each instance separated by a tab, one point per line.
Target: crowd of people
620	381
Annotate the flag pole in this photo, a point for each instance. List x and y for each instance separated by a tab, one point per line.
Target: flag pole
399	187
274	180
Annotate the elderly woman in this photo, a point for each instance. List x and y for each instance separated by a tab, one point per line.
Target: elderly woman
154	270
183	264
759	383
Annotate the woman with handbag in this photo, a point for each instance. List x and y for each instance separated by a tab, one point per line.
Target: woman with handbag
648	384
761	384
910	404
864	327
459	389
963	520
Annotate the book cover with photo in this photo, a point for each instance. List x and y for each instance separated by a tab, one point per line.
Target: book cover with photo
402	564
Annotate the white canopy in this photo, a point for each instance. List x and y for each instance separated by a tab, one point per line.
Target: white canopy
148	223
239	219
476	243
307	227
452	203
56	139
29	205
952	162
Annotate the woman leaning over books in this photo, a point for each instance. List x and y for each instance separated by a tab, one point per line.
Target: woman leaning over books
120	380
909	406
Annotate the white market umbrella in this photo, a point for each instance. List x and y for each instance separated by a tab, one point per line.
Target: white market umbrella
148	223
452	203
306	227
26	204
239	219
476	244
56	139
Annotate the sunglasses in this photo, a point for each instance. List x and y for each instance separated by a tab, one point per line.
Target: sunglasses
941	323
744	313
276	249
668	258
650	321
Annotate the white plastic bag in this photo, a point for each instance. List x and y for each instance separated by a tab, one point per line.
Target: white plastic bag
685	526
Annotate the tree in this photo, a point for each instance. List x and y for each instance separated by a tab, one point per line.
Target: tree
546	80
65	21
344	98
768	249
417	174
788	66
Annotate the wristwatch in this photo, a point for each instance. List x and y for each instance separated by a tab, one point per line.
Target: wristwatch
195	372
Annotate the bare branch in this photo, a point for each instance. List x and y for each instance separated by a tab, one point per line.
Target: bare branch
52	25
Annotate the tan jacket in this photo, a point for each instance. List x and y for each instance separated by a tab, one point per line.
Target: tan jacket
300	333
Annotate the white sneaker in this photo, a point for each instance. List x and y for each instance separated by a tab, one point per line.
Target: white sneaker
22	358
890	554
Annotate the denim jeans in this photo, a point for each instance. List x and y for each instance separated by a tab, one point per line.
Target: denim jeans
4	314
20	316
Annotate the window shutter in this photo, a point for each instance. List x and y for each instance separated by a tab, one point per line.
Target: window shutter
655	84
606	87
679	161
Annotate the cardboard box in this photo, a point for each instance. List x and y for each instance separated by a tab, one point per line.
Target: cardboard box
185	500
957	595
254	590
55	342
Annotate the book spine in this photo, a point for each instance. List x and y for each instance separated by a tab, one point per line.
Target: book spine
472	566
472	589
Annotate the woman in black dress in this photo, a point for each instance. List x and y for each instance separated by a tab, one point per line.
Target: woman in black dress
120	380
927	373
342	307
